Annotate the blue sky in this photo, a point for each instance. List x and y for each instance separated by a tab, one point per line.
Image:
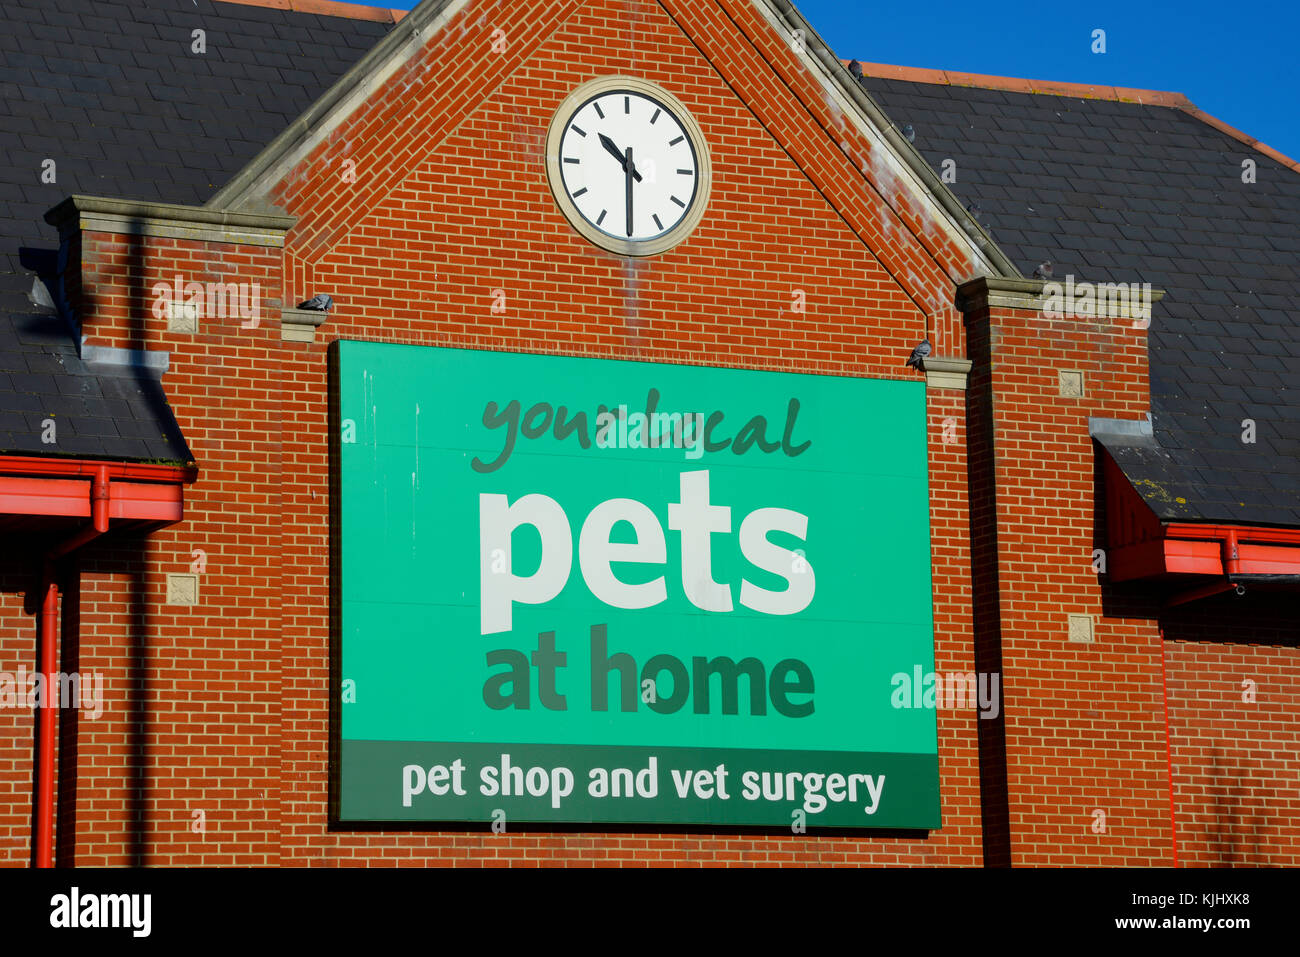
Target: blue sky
1239	61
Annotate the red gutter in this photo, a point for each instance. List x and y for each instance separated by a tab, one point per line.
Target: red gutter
1142	546
52	467
61	487
47	487
1247	533
1219	550
1231	555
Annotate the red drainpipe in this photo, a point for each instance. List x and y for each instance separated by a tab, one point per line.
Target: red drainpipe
48	665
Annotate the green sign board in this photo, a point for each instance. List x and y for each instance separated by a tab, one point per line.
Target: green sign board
586	590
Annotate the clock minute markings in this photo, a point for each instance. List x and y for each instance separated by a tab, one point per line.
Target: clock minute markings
623	155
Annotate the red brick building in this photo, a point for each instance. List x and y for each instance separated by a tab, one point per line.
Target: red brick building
1105	536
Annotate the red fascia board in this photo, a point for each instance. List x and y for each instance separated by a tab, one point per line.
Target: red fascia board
61	488
68	498
1182	557
146	501
1269	560
1190	549
1130	562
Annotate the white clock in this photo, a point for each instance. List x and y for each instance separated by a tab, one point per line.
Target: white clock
628	165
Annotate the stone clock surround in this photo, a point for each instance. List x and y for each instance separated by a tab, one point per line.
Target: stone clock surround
554	178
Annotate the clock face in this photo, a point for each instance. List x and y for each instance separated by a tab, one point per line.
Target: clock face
631	166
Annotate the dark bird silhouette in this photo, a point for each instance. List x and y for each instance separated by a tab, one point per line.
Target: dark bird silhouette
855	69
923	349
1044	271
318	303
908	133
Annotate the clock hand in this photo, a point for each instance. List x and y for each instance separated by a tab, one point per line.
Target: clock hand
629	169
617	153
610	148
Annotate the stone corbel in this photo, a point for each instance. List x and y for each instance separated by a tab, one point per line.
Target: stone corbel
941	373
299	325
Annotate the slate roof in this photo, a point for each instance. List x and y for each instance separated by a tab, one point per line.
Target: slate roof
1122	192
48	392
110	90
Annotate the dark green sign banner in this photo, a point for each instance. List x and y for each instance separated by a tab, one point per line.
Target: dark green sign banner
586	590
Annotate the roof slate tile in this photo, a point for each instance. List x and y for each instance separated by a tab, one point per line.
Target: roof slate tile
1152	192
111	90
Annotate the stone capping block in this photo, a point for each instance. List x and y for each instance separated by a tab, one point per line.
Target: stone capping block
941	373
299	325
168	220
1035	294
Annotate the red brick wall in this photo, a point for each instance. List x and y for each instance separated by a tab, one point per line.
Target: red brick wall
1083	728
182	766
17	724
1235	760
722	298
114	289
219	713
775	136
223	708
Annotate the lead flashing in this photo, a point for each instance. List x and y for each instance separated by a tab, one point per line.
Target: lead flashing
1122	432
156	361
